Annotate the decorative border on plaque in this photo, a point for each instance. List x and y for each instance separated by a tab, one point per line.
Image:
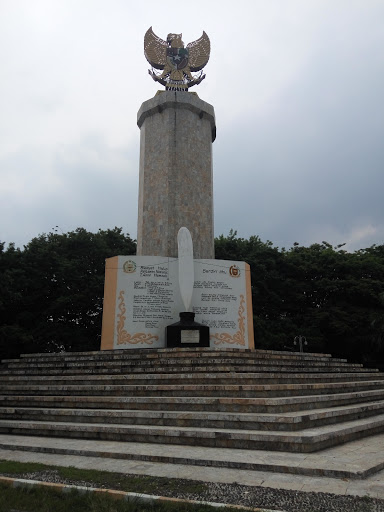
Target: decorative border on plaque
123	336
239	337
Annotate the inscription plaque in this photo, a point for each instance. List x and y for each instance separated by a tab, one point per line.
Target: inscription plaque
142	297
190	336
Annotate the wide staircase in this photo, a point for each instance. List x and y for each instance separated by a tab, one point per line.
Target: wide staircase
240	399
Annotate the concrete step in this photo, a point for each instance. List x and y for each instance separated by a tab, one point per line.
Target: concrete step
201	359
179	353
356	460
217	404
189	390
272	379
175	362
241	399
198	369
303	441
292	421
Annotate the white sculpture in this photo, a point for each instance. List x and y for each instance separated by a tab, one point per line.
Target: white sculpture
186	269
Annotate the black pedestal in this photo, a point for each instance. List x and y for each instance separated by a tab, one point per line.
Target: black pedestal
187	333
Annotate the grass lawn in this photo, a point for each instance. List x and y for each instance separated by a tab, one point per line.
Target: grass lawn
38	499
105	479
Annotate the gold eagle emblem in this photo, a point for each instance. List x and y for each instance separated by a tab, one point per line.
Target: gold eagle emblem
176	62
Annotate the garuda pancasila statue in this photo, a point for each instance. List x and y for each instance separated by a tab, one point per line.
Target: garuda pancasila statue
178	63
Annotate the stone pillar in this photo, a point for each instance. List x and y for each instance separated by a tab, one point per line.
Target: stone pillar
175	185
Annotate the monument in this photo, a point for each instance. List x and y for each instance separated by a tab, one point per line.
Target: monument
176	134
144	298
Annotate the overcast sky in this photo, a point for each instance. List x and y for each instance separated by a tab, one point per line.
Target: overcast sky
298	91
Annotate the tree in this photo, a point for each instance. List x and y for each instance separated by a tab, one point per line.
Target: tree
332	297
12	334
57	285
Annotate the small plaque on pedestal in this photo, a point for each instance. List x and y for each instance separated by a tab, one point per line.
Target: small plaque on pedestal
189	336
187	332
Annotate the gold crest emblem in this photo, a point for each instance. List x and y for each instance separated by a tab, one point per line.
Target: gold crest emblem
129	267
234	271
178	63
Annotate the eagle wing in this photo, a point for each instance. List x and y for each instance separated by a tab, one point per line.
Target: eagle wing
155	49
199	52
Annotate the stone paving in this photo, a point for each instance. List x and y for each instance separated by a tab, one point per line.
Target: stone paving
356	457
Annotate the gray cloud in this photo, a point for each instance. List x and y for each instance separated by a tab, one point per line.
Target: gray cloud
298	91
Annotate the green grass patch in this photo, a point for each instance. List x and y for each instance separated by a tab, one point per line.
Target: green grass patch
136	483
15	468
106	479
32	499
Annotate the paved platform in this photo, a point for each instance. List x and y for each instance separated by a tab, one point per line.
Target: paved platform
358	464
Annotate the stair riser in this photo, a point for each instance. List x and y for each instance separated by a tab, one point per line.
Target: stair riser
178	353
163	363
128	357
220	440
178	405
194	379
196	391
161	420
173	370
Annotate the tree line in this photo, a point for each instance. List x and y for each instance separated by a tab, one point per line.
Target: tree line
51	293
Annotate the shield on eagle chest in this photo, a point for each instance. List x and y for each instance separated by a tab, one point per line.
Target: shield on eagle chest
177	57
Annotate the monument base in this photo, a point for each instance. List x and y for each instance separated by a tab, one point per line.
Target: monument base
187	333
142	297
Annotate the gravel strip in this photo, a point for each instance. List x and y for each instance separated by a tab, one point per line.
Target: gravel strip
235	494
